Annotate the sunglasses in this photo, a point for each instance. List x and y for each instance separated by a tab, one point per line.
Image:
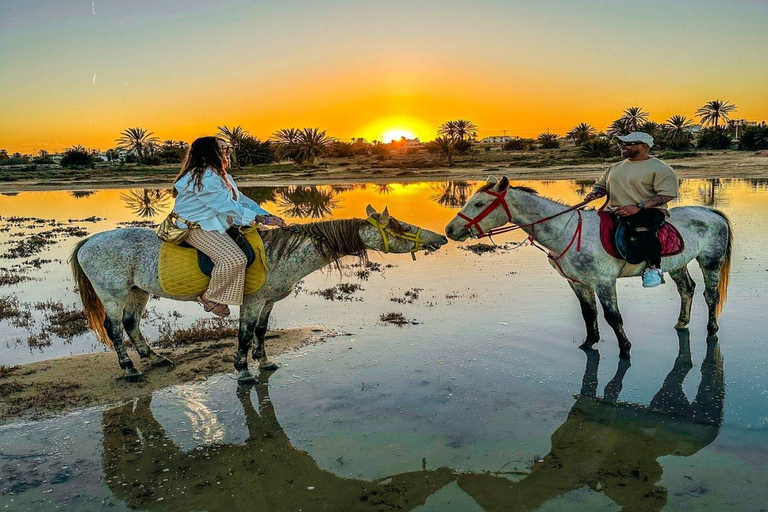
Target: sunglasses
629	143
227	150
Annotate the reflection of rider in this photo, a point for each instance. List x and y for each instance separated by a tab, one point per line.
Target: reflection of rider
613	447
150	472
207	195
639	189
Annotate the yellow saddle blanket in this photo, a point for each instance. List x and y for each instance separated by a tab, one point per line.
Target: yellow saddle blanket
180	275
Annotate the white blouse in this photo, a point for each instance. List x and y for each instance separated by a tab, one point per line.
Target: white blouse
213	206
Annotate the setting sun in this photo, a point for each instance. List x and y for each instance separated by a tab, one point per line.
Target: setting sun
397	134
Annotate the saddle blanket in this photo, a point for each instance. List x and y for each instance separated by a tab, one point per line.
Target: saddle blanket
671	240
180	273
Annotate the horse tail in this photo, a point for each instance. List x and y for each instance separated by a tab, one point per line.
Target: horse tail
725	268
92	305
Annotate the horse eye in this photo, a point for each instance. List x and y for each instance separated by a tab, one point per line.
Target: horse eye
408	229
478	204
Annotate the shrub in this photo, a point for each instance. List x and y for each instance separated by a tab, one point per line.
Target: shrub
131	158
549	140
715	137
78	156
340	149
252	151
754	138
151	160
462	146
599	148
167	154
518	145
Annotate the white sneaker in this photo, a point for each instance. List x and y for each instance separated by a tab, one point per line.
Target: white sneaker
652	277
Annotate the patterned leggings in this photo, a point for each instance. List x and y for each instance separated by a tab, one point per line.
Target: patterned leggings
229	262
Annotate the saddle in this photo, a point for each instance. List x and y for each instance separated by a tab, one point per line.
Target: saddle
183	270
620	242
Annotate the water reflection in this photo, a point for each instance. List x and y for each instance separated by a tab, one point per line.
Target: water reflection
80	194
145	468
613	447
315	202
453	194
146	202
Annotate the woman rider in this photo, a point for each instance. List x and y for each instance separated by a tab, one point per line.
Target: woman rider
207	195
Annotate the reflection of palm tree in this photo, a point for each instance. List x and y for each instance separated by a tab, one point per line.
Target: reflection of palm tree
146	202
136	446
612	447
307	202
79	194
383	188
452	194
260	194
708	192
583	186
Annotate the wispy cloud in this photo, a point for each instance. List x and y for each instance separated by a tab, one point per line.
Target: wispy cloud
93	7
94	76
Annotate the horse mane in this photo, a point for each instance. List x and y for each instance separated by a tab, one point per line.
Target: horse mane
332	238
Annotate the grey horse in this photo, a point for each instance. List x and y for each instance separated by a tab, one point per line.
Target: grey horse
116	272
589	268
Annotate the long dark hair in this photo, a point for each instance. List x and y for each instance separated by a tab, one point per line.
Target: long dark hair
204	152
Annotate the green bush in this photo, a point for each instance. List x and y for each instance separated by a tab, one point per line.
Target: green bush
754	138
599	148
518	145
715	137
78	156
549	140
462	146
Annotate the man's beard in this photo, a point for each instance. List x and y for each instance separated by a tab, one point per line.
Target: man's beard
631	152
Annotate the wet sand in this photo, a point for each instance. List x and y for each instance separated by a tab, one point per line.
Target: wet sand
705	165
37	390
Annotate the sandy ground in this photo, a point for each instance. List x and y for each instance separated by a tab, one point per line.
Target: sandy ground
41	389
724	164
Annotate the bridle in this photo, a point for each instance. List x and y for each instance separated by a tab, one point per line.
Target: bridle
385	230
500	199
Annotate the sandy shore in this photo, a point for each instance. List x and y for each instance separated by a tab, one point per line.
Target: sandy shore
727	164
41	389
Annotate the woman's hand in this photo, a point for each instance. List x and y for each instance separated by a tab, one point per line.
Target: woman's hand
269	220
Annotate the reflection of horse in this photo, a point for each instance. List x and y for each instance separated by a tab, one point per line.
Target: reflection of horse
613	447
573	241
116	271
146	469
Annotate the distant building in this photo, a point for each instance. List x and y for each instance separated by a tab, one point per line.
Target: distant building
496	139
410	143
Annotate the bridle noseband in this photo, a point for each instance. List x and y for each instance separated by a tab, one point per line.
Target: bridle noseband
418	242
501	199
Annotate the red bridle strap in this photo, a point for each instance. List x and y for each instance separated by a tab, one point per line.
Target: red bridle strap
501	199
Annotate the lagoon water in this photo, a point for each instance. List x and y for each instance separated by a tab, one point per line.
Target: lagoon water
483	403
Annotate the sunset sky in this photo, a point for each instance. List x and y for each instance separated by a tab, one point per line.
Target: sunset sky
79	72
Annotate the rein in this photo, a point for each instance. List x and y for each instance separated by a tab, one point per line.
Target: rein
418	242
500	200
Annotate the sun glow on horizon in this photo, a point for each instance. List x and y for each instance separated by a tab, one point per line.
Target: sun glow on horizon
397	134
394	127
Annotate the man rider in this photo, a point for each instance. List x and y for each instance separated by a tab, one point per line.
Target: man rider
639	188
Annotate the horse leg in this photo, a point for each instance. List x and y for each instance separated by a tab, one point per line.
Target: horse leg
134	306
608	300
711	294
248	317
685	287
586	296
259	352
113	323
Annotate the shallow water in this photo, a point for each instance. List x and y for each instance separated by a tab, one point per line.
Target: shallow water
471	408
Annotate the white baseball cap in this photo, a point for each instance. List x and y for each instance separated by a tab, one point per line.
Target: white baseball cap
637	137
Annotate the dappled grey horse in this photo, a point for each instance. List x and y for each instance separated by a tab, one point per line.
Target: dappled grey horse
588	267
116	272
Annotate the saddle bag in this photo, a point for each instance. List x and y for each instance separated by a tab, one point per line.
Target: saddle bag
169	231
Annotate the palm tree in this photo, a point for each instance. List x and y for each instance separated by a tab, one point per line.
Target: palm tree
444	147
146	202
713	112
234	137
678	132
302	145
548	140
619	127
581	133
461	129
136	140
634	117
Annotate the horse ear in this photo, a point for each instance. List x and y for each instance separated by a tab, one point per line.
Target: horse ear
503	185
370	211
384	217
491	180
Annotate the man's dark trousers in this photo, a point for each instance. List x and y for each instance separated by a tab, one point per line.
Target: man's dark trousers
644	224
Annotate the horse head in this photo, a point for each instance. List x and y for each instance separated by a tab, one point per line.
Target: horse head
387	234
485	210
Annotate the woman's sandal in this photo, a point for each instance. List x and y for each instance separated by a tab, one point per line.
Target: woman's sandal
213	307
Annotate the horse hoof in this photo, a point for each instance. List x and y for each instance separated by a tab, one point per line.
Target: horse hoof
268	366
246	379
133	375
159	361
681	325
587	344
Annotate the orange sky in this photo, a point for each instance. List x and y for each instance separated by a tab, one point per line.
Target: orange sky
76	73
